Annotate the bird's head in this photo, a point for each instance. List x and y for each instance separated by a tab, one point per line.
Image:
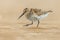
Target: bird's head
26	10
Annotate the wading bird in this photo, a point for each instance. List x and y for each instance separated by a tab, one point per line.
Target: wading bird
34	15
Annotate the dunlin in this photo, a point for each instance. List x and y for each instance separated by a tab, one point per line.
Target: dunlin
34	15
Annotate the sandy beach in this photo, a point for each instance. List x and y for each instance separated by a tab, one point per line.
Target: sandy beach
13	29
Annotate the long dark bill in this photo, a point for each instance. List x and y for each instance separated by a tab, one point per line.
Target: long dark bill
21	15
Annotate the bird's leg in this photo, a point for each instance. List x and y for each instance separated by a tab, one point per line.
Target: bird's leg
38	24
29	24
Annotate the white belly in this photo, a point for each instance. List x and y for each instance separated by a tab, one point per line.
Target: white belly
42	16
35	17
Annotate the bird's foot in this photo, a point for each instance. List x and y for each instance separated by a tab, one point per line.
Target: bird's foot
26	25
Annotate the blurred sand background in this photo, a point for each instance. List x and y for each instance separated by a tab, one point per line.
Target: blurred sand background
13	29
